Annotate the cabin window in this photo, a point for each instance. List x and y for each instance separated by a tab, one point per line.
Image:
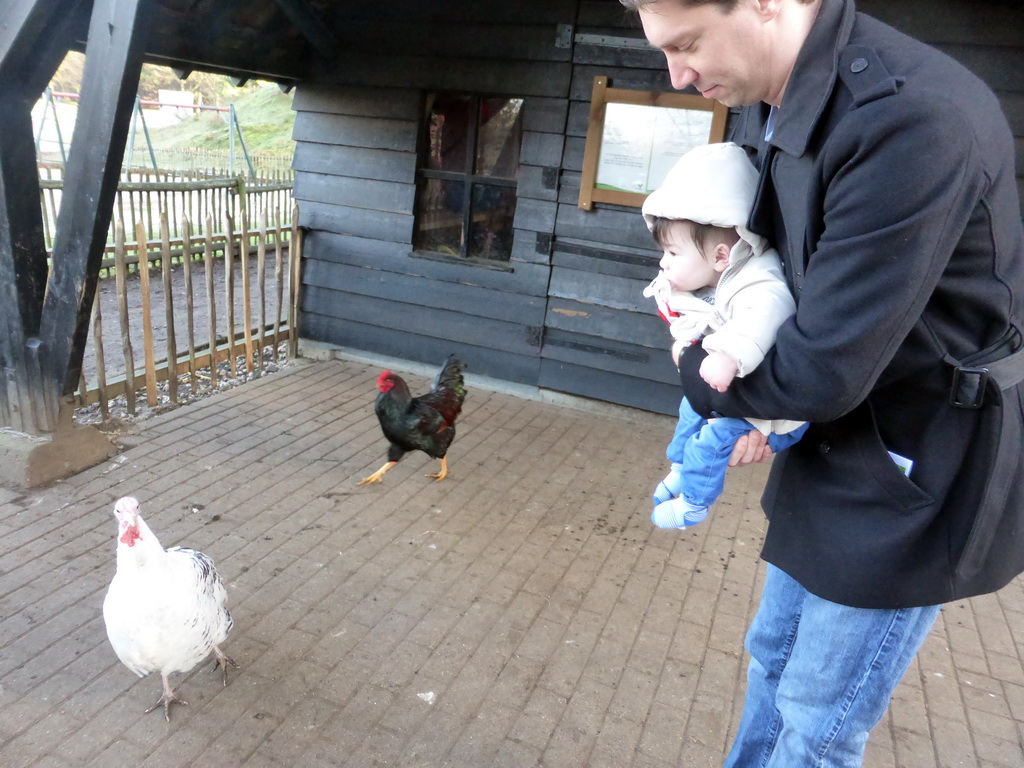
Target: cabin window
466	197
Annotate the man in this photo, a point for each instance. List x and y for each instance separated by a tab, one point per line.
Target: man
887	185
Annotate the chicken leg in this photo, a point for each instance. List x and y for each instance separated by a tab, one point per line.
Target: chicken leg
444	470
223	661
376	476
167	699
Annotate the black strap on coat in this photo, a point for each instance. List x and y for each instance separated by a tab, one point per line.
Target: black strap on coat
979	381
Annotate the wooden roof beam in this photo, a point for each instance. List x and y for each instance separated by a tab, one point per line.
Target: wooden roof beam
251	70
28	30
34	39
118	32
198	44
310	26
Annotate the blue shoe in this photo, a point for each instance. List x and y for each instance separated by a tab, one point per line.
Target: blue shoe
670	487
678	513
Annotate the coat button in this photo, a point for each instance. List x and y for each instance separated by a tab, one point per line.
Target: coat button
858	65
824	447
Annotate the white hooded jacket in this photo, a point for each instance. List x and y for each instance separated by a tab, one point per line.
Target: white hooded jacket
715	184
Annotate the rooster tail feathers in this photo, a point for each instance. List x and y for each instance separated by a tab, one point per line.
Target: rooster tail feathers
448	393
450	377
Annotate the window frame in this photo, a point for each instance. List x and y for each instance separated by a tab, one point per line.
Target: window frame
470	180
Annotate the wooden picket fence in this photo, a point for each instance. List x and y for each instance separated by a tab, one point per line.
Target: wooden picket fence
197	335
144	194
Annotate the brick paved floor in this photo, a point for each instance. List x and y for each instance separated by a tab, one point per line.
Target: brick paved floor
522	612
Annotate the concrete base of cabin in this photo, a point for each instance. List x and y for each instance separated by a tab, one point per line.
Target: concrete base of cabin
32	462
321	351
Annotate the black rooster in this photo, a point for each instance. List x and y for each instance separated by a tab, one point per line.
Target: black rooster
425	423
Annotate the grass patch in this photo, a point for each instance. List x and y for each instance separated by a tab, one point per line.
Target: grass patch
264	113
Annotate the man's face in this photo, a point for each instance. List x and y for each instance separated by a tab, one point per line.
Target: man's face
725	56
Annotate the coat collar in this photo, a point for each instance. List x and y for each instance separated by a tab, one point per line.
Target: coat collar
813	77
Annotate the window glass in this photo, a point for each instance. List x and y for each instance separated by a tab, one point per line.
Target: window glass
497	150
448	124
490	232
440	206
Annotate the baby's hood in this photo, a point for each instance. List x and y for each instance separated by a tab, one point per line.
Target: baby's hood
711	184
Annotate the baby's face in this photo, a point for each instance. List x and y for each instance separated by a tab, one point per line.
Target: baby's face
683	265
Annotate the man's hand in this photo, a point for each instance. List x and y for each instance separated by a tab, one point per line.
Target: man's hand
750	448
718	370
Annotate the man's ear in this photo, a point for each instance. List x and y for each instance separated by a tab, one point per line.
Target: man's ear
768	9
721	256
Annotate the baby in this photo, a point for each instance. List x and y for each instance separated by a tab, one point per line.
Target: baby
720	285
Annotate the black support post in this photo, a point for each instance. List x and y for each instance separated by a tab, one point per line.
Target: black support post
34	38
118	33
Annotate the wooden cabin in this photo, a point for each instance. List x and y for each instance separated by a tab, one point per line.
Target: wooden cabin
554	297
440	152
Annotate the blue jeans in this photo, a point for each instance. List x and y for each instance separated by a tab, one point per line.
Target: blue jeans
820	676
703	449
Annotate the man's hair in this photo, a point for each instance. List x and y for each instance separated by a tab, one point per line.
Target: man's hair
727	5
704	236
636	5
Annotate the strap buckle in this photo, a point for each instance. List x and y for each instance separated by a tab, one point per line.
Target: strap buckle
968	387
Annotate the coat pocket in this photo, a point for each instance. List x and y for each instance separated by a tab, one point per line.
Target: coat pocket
842	470
880	465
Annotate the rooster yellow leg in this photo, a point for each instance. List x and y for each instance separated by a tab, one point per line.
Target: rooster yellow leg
376	476
167	699
444	470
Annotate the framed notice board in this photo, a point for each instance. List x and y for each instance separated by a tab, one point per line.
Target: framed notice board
635	137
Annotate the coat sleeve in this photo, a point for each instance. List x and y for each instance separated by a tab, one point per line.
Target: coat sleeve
900	179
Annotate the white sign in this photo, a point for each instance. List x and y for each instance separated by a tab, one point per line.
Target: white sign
640	143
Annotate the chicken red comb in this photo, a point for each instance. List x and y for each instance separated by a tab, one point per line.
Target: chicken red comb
382	378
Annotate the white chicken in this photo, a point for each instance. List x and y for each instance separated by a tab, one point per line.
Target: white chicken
165	609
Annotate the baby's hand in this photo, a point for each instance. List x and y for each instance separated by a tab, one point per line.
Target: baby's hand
718	370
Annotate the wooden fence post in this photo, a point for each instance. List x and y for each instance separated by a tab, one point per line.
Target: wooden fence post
295	259
261	264
120	276
246	293
278	279
101	371
229	290
211	302
186	268
147	320
172	344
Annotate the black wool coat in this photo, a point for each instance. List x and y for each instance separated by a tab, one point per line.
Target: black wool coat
888	188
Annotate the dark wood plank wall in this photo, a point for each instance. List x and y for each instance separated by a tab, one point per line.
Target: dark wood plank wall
570	315
356	130
602	337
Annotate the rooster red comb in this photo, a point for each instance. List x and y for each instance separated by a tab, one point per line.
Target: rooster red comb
382	378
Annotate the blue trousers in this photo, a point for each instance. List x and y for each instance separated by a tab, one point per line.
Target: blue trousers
820	676
703	449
